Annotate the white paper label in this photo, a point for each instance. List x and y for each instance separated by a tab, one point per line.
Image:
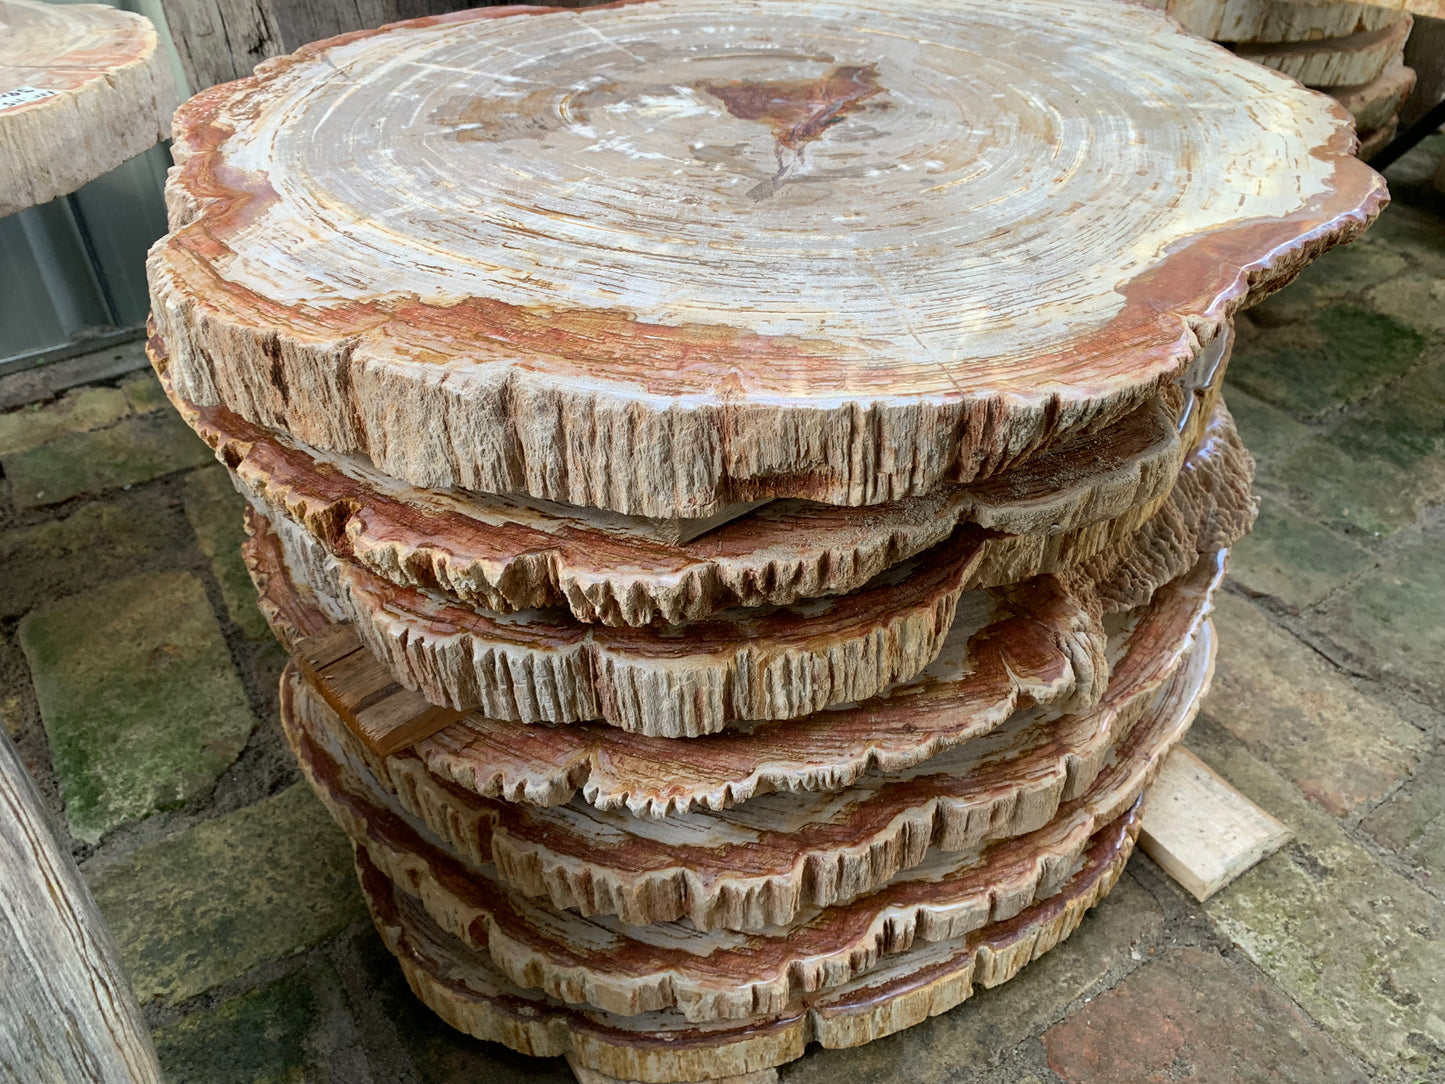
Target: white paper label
9	99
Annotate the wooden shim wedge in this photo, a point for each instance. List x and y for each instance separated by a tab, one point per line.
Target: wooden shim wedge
1334	62
826	355
466	990
761	863
1272	21
1376	103
768	664
83	88
507	554
66	1008
1201	831
728	975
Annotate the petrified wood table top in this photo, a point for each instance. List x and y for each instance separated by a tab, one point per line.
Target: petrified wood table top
83	87
656	259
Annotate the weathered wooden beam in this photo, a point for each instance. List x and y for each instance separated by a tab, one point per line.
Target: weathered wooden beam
67	1014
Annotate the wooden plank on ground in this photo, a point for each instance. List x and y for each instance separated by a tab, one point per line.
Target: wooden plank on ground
1201	831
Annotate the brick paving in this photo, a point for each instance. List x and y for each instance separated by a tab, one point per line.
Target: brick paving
139	684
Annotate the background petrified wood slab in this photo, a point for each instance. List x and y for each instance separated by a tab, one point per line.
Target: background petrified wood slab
505	554
83	87
1276	20
1376	103
724	975
1335	62
467	991
887	319
767	664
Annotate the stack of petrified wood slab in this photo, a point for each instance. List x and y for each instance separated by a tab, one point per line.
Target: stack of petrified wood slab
742	496
1353	51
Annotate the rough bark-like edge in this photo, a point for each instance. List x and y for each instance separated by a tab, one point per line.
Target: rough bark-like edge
881	635
603	882
445	975
649	583
467	906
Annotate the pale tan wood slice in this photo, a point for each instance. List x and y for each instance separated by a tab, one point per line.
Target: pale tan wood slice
1200	830
746	664
466	990
1376	103
1371	143
83	87
1276	20
1334	62
787	259
731	975
585	1075
668	681
758	864
67	1012
508	553
1042	648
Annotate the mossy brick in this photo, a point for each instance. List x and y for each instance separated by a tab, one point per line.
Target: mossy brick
1417	300
1293	559
142	707
205	905
1388	622
1339	356
1345	272
1349	490
215	511
266	1036
1192	1015
96	544
1268	432
136	449
1416	233
144	393
1412	822
293	1030
77	412
1294	710
390	1017
1357	946
1122	929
